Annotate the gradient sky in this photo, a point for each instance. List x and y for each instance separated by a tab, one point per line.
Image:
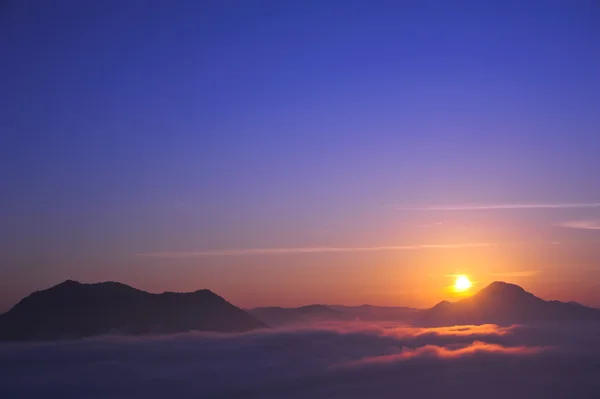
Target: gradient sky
286	153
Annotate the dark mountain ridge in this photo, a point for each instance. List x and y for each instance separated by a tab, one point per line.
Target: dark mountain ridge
504	304
72	310
275	316
498	303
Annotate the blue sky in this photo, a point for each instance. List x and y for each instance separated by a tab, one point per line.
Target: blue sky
134	128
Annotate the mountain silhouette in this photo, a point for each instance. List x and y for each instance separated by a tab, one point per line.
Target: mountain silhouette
277	316
503	303
72	310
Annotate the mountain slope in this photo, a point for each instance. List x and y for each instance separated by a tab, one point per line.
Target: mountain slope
72	309
503	303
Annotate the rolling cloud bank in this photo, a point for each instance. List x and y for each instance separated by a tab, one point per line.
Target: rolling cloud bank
334	360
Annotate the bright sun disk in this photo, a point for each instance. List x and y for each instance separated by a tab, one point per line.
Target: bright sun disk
462	283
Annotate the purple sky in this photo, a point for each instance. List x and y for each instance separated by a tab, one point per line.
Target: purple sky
284	153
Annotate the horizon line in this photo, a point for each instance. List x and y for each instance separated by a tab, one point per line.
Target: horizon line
305	250
501	206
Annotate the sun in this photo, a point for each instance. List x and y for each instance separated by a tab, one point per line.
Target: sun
462	283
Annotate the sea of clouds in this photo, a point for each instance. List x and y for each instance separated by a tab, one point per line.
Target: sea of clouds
342	360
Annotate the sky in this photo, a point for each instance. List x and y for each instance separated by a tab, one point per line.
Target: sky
288	153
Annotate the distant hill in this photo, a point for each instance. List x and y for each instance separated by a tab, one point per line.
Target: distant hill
72	309
276	316
503	303
376	313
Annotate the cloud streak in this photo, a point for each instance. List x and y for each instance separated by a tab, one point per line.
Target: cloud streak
495	207
593	224
307	250
436	351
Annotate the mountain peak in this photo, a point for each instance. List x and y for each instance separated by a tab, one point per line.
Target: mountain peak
442	304
500	287
500	292
504	284
67	283
73	309
503	303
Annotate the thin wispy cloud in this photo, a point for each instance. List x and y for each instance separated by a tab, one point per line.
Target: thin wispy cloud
525	273
431	224
493	207
307	250
592	224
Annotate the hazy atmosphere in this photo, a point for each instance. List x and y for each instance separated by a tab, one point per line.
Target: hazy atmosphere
197	198
349	361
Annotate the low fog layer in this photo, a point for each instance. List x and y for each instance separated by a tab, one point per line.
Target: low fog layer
340	360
